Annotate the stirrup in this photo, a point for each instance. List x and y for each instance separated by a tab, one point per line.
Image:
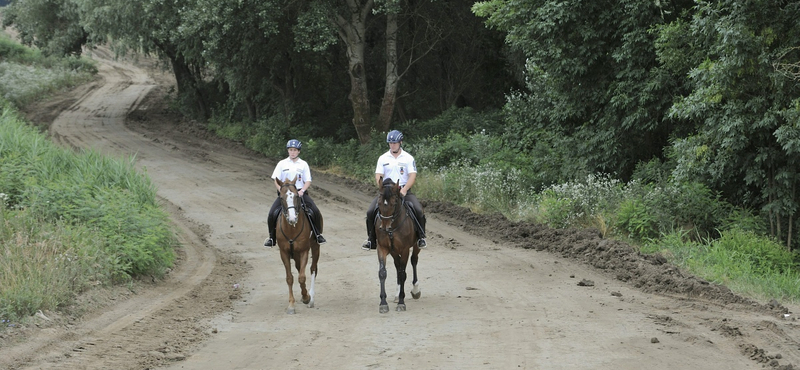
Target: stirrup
269	243
321	239
367	245
422	243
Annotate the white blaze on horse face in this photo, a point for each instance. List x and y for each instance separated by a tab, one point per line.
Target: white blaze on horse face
291	212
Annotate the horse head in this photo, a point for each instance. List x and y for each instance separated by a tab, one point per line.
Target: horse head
290	200
389	203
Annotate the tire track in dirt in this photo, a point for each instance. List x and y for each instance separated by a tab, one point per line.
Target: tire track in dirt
99	340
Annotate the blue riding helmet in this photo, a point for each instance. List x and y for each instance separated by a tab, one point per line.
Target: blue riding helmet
394	136
294	144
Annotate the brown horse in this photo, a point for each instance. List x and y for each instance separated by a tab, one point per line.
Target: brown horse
295	238
396	235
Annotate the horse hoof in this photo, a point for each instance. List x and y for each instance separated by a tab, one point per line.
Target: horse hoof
384	309
416	295
311	304
290	311
401	307
306	300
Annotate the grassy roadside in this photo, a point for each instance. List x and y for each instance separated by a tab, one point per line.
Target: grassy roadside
68	221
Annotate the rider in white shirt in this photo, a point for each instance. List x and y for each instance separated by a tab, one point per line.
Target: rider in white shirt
287	169
399	166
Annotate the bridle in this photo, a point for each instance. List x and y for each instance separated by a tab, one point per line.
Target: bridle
398	207
286	208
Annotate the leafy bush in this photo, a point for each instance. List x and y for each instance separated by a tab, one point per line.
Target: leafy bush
594	195
13	51
634	217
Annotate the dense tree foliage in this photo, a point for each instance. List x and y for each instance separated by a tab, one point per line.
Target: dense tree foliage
593	78
709	86
746	111
51	25
330	68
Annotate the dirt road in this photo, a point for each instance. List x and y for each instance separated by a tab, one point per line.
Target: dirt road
494	296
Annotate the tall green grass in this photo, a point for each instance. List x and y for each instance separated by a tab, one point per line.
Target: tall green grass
26	75
70	221
745	262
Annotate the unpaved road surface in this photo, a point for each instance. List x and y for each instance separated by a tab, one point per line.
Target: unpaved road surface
495	295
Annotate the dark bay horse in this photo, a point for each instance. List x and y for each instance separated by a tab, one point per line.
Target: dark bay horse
396	235
296	239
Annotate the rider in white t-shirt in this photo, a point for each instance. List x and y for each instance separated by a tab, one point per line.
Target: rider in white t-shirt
287	169
399	166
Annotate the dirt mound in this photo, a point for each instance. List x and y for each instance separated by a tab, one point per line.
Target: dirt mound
649	272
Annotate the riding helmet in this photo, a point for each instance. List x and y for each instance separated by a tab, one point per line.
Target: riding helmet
394	136
294	143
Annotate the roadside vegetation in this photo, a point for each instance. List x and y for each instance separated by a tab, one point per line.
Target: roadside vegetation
27	75
469	165
68	221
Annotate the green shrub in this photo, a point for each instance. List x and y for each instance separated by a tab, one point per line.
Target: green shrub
635	219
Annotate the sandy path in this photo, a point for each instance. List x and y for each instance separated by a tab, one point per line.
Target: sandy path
484	305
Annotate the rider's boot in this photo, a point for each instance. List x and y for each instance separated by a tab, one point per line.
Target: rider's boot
270	242
367	245
421	243
321	239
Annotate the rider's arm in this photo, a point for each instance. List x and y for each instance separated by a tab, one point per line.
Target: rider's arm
307	177
411	178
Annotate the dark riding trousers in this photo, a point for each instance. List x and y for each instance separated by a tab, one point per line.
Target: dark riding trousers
275	210
409	198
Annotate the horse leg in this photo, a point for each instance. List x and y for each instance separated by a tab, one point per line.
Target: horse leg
314	260
415	291
287	264
400	265
300	264
384	307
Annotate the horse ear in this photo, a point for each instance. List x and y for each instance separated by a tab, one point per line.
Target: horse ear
278	181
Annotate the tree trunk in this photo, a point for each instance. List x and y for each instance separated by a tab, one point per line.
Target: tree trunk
186	79
392	78
352	32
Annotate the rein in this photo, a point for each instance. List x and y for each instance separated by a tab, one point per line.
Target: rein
396	214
